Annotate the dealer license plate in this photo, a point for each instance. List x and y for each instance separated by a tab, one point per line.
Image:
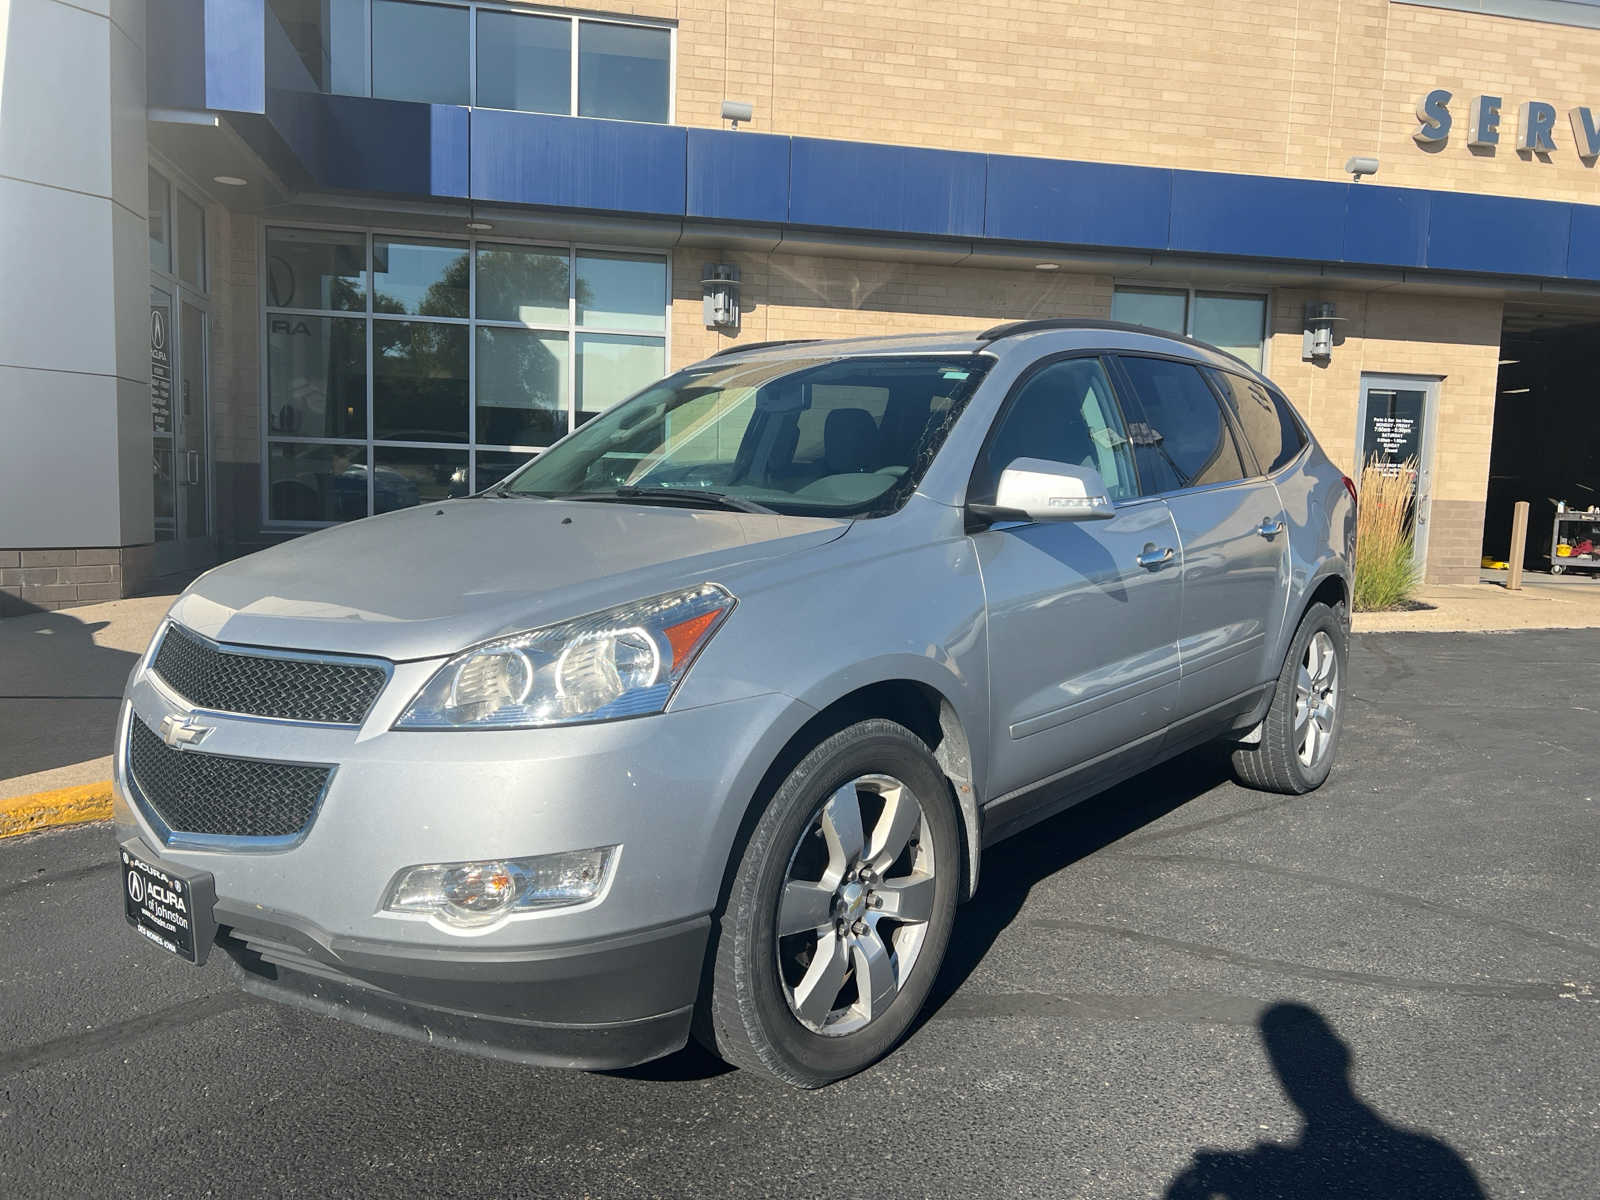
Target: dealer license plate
168	906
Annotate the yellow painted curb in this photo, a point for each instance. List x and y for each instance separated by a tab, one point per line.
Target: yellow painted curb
63	806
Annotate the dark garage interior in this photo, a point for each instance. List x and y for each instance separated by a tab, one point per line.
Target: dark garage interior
1546	428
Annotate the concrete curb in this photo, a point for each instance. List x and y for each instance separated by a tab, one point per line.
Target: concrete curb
63	806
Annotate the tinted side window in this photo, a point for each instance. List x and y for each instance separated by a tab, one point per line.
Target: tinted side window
1177	428
1065	413
1268	425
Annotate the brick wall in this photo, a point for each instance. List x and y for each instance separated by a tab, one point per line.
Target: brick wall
50	579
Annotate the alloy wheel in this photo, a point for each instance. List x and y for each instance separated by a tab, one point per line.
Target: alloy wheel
857	898
1316	699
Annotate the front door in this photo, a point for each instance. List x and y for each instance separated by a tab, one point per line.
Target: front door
1395	433
178	414
1083	654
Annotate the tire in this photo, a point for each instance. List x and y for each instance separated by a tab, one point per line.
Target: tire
1278	762
1558	568
764	988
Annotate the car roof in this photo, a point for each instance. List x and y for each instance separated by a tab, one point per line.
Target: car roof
1057	333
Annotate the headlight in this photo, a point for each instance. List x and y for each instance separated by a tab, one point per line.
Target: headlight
469	895
624	662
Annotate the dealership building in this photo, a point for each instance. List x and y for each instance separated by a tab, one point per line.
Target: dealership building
275	264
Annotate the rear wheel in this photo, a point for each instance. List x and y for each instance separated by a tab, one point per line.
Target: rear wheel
1301	731
839	911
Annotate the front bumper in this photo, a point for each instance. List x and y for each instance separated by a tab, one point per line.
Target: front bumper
607	1004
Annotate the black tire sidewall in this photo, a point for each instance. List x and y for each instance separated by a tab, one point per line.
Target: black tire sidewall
784	1045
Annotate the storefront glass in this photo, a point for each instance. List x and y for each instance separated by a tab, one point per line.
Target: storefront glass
461	360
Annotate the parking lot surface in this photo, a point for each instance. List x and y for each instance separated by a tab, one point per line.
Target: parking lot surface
1390	987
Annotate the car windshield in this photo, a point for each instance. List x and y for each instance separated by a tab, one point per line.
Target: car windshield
848	437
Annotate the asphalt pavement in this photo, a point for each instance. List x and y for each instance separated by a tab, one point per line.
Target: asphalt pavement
1390	987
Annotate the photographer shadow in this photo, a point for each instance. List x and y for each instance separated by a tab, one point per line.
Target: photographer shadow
1346	1150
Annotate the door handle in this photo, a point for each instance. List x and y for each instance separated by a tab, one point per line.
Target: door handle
192	466
1270	528
1153	559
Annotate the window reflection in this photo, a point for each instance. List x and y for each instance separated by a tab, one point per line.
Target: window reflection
611	369
160	223
191	242
524	62
419	381
313	268
404	475
622	71
495	465
621	291
419	278
419	52
1152	308
521	386
316	483
316	376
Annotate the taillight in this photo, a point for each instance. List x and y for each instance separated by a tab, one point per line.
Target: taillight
1349	486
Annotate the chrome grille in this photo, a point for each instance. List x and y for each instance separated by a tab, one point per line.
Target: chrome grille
263	685
212	794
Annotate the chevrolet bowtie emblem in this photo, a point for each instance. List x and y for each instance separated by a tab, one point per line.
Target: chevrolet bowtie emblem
179	732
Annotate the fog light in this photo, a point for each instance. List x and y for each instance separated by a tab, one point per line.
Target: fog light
471	894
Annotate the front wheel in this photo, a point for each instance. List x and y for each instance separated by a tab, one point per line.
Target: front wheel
839	911
1301	729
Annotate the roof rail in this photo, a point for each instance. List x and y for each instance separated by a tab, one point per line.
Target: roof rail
1014	328
742	348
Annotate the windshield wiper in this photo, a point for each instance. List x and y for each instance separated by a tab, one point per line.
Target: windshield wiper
700	496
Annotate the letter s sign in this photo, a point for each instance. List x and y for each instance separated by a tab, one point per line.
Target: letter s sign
1433	110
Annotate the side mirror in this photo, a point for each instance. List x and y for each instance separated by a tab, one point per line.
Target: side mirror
1033	489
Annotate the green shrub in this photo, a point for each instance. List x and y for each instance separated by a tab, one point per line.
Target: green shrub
1387	572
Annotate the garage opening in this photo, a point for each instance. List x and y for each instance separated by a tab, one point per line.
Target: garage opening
1546	447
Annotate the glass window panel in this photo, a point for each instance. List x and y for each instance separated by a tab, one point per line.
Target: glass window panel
1181	439
419	381
623	71
316	376
191	242
329	38
1154	309
1063	413
529	286
619	291
611	369
524	62
521	386
427	279
316	483
403	476
495	465
160	223
162	469
1232	323
419	52
313	268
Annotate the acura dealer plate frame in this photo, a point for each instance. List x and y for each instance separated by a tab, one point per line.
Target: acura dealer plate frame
169	905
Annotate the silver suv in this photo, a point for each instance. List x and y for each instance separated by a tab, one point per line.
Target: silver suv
700	722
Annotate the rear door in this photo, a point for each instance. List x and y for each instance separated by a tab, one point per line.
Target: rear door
1230	521
1082	638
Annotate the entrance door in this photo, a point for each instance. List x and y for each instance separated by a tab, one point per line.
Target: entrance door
178	408
1396	425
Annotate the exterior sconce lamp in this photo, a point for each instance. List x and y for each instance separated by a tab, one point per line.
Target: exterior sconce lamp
1359	166
720	282
734	111
1317	345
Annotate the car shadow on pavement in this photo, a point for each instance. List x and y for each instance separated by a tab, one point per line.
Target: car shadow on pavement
1012	867
1346	1149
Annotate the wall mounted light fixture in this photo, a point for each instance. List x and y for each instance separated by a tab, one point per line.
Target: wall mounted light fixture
1317	345
720	284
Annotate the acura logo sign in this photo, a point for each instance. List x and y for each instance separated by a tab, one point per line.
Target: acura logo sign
136	887
181	731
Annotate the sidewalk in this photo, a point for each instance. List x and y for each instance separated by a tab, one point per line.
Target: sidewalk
1545	602
61	675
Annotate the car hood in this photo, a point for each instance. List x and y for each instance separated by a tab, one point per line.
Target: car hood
431	580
